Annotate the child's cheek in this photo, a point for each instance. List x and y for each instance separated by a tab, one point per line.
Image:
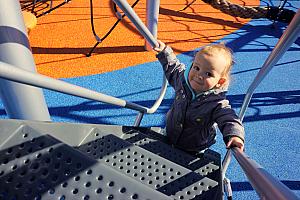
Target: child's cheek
207	83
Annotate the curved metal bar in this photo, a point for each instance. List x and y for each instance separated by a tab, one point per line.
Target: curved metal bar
289	36
160	97
13	73
266	186
129	12
138	119
225	164
152	9
286	40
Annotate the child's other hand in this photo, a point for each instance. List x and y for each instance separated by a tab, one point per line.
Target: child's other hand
161	46
235	142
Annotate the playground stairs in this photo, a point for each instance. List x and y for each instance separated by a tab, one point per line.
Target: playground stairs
47	160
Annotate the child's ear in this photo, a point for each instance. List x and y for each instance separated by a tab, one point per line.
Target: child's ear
221	81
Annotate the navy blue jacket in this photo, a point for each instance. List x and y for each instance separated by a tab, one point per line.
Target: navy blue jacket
191	119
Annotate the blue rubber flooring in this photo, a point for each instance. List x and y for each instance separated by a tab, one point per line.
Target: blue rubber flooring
271	122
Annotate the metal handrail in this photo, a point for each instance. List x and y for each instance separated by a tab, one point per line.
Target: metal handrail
266	186
289	36
144	31
19	75
13	73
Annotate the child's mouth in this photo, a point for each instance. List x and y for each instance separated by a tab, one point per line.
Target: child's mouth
197	82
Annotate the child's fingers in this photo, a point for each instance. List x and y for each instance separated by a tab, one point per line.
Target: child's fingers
228	145
160	47
235	142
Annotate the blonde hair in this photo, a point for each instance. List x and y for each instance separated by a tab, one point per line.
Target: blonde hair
225	51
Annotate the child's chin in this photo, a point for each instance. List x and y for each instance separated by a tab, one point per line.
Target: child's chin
198	91
195	87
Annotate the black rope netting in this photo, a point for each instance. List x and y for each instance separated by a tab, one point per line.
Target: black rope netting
273	13
270	12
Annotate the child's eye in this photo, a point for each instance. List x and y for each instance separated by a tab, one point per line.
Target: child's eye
196	68
208	74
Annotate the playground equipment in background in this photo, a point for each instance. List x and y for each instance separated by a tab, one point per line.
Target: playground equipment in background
31	6
152	10
270	12
30	20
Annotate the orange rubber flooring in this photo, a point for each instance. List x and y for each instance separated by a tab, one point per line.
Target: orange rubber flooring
62	38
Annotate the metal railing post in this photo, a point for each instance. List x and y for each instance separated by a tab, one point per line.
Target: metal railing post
129	12
149	35
20	101
266	186
152	9
15	74
60	86
288	37
138	119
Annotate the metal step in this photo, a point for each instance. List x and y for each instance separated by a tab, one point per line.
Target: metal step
46	160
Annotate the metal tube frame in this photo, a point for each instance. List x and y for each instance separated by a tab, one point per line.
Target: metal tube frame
289	36
63	87
152	9
13	73
138	119
286	40
266	186
129	12
15	50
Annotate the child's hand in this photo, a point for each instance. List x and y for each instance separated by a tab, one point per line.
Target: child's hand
161	46
235	142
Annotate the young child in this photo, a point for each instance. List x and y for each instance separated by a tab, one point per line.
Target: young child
200	100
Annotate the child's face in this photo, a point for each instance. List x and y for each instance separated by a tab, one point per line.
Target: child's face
207	72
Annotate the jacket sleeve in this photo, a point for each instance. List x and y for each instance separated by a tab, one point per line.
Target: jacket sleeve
171	65
228	122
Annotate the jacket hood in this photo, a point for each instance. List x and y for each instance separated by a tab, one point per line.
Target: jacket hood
186	75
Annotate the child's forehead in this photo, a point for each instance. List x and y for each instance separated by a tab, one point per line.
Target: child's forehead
204	55
200	55
211	51
211	61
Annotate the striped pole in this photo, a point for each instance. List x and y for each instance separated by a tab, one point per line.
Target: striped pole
20	101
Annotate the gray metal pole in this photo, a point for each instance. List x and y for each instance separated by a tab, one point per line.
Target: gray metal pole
152	9
138	119
149	35
16	74
266	186
286	40
13	73
129	12
20	101
289	36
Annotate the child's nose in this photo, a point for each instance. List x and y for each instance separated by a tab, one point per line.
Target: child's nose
199	75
